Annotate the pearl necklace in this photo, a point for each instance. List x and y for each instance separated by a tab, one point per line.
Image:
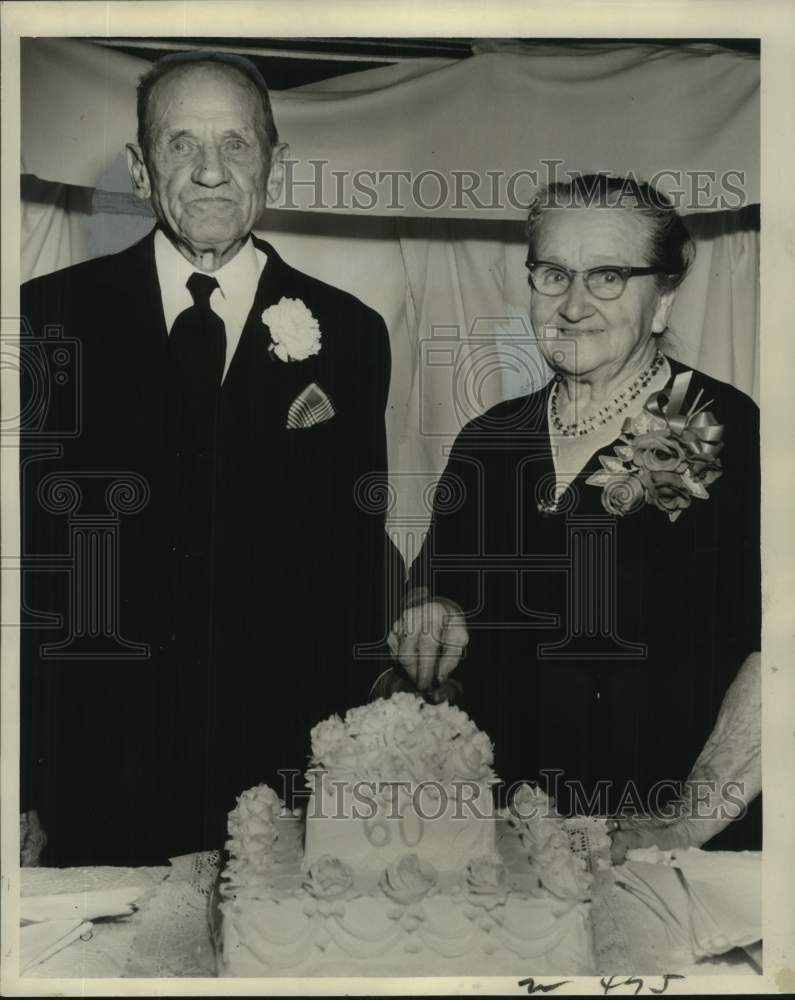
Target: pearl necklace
616	405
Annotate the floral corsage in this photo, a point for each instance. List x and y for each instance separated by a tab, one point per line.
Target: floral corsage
666	457
294	330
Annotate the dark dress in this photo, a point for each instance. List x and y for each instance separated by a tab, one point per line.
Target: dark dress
600	646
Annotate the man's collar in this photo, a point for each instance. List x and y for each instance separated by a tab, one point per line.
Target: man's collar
242	271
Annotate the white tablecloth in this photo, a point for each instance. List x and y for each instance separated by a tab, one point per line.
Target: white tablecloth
168	935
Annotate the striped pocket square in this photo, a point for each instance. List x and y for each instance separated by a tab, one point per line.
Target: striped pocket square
311	407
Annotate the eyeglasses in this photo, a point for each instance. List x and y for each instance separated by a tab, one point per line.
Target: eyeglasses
606	282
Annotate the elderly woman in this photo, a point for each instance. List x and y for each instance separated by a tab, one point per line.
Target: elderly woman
595	545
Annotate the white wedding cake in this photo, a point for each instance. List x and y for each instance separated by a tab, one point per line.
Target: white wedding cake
401	865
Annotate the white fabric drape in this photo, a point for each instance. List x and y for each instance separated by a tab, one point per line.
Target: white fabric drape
619	107
54	226
716	315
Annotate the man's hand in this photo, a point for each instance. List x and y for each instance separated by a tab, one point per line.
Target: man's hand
428	640
648	832
32	839
730	760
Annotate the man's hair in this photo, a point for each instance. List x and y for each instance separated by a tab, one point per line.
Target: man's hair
670	245
181	60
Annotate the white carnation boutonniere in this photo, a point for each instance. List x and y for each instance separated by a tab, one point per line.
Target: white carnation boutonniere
294	330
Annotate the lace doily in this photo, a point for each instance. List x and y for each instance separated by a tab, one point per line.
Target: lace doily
589	840
611	949
175	939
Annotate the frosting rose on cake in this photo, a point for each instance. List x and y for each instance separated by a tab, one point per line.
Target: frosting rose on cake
548	845
405	732
402	738
408	880
472	756
328	878
252	831
326	736
486	882
529	803
390	765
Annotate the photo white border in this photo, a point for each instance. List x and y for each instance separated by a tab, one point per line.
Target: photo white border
773	21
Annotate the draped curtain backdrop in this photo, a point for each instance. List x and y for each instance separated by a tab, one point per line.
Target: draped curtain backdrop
446	273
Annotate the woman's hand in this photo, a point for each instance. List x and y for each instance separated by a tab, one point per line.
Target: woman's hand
429	639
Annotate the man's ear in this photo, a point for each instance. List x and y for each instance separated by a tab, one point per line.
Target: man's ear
276	175
659	323
139	175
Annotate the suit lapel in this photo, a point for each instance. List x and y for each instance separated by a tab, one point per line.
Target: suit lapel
126	353
134	289
254	370
255	339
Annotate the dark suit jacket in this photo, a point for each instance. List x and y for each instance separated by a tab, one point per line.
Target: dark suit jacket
601	647
211	600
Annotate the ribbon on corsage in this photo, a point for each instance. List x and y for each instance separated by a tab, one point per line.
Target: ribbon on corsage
666	457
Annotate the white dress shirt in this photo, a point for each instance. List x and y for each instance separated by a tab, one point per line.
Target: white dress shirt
232	300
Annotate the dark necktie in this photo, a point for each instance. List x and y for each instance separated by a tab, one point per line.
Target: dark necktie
197	344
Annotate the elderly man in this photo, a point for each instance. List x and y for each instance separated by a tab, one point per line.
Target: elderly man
231	418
